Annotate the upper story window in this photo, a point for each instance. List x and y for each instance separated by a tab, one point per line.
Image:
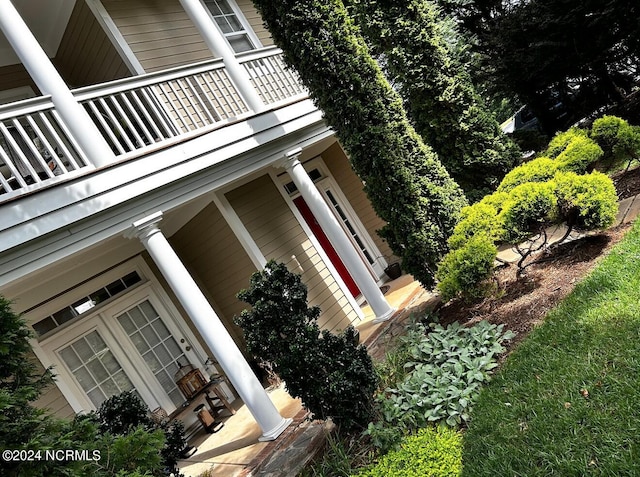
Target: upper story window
230	25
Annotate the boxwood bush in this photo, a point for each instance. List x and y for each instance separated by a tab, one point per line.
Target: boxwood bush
332	375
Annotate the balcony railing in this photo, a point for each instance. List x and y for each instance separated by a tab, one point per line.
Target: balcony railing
35	146
270	76
134	115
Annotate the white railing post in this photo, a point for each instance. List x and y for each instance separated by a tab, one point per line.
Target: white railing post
46	77
218	45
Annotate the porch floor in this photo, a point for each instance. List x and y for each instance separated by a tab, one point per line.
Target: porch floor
234	451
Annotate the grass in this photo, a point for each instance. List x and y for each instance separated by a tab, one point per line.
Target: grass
567	401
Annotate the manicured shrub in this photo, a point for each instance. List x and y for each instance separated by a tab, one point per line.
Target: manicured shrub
580	155
331	374
586	202
431	452
465	268
407	185
530	207
560	141
618	139
541	169
438	93
123	412
476	219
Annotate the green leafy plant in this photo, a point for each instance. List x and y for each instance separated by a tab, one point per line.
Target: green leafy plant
529	208
561	141
432	451
124	413
586	202
549	190
447	367
541	169
133	451
332	374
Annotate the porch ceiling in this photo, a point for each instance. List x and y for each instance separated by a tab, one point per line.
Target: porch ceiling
47	20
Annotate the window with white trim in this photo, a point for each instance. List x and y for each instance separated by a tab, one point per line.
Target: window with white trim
231	25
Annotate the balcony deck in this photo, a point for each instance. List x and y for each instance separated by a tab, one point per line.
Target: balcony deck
135	116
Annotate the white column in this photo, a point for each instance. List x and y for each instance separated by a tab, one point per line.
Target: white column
218	45
337	236
210	327
46	77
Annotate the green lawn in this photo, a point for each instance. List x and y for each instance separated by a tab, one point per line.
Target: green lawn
567	401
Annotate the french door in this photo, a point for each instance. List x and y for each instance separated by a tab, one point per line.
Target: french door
134	344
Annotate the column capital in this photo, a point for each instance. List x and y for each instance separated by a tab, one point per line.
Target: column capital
145	227
291	159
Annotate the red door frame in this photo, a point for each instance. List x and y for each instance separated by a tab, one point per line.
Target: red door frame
326	245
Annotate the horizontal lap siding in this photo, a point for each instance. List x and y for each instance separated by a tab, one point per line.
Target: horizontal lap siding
159	32
351	186
86	55
255	21
279	236
211	251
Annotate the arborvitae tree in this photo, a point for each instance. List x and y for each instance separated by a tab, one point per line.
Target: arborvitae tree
440	98
407	185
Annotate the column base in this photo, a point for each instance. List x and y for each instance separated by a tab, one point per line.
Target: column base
273	434
385	317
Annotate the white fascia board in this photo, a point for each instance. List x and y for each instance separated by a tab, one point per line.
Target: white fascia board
30	217
114	221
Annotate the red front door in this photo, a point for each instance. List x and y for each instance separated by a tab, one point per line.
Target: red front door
326	245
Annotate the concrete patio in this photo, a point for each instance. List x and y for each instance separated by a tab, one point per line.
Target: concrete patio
234	451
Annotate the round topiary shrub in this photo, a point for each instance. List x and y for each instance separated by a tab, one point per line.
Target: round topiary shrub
464	269
529	207
586	202
618	139
560	141
580	155
477	219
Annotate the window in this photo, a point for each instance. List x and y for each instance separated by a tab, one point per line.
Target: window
85	304
230	25
95	368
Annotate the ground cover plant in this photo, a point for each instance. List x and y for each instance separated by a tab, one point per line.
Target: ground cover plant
565	402
446	367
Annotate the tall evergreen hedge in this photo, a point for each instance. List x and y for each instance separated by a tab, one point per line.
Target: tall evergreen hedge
410	38
407	185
